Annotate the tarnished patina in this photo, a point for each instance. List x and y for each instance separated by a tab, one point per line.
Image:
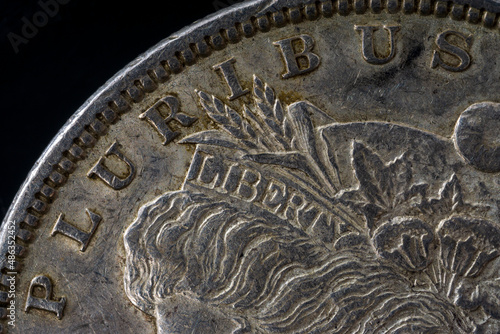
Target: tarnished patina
279	167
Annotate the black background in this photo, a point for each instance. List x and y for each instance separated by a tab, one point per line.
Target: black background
65	62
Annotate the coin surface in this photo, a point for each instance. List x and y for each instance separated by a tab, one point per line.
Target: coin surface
280	166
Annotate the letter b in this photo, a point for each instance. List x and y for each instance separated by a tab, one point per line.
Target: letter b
298	62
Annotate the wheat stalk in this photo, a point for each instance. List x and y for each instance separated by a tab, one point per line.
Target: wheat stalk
273	115
228	119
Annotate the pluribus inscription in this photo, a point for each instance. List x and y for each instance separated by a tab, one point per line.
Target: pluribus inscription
162	113
107	176
461	58
298	55
265	229
343	203
368	48
72	232
47	303
229	74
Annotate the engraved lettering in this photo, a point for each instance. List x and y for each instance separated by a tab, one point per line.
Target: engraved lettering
209	171
298	62
368	48
154	117
445	46
326	227
260	217
247	188
276	196
232	179
308	215
74	233
110	178
46	303
294	203
229	74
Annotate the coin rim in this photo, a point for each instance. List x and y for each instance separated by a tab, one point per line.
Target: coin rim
179	51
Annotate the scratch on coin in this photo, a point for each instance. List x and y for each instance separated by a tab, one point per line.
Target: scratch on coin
357	76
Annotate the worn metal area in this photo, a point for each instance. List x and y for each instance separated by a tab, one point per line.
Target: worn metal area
279	167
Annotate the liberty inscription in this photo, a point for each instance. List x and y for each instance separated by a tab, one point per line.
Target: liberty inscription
266	236
299	58
283	190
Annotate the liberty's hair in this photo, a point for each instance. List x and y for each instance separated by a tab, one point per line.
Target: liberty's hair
255	266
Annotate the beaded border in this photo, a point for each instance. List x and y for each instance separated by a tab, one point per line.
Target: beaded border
154	77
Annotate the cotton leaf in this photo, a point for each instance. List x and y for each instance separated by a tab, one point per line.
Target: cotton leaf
415	190
400	176
450	199
371	174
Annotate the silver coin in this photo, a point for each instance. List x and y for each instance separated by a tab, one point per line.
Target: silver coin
281	166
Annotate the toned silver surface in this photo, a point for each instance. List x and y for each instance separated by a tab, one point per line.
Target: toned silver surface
278	167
